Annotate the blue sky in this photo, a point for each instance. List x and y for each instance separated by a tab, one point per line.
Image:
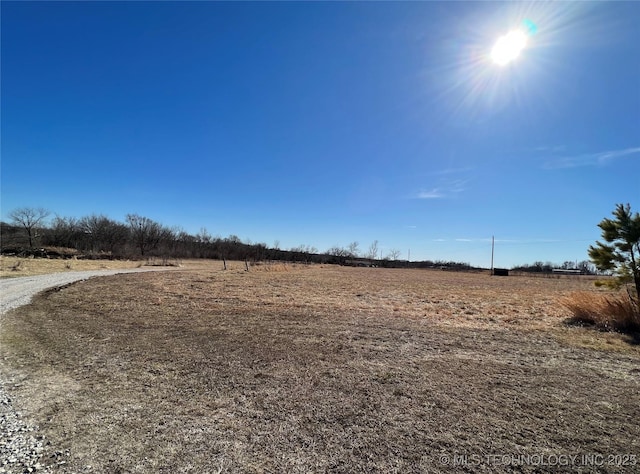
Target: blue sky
323	123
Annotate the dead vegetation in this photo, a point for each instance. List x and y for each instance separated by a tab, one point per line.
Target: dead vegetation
316	369
11	267
610	311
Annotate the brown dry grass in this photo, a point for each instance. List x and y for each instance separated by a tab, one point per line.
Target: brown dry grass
610	311
11	267
316	369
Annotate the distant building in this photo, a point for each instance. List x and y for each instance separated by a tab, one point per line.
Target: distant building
566	271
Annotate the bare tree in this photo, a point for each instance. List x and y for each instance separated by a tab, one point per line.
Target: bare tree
31	219
64	232
146	233
168	244
103	233
393	254
352	249
337	251
203	236
372	253
304	251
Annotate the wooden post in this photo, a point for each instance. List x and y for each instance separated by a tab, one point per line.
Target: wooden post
224	263
246	264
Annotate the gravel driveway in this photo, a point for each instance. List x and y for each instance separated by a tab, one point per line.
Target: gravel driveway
21	444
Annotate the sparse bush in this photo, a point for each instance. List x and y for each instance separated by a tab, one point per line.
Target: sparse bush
608	312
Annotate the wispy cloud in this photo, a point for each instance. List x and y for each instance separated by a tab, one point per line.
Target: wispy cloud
591	159
445	190
435	193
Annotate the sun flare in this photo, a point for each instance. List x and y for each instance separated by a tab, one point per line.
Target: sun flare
508	47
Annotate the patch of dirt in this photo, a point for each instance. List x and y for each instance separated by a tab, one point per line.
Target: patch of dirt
320	370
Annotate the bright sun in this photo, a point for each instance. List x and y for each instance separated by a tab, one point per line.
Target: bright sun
508	47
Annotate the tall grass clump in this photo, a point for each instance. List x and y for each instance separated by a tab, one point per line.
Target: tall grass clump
608	312
270	267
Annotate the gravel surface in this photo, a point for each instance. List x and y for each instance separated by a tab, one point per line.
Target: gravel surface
21	445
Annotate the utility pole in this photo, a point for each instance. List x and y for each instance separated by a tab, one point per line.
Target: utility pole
493	241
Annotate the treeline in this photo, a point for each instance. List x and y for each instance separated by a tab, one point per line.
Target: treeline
585	267
30	232
139	237
98	236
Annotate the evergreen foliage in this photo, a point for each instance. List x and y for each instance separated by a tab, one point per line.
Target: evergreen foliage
621	252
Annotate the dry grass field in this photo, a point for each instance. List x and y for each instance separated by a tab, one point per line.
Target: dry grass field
13	267
322	369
